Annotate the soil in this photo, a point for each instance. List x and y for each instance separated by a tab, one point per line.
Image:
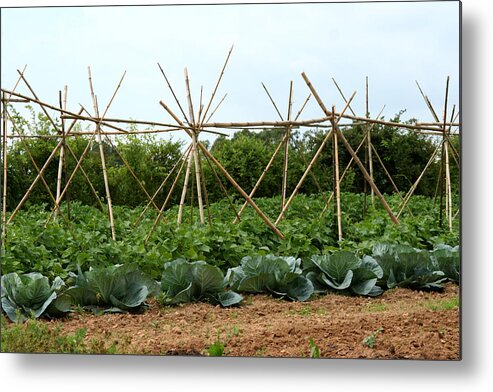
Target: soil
406	324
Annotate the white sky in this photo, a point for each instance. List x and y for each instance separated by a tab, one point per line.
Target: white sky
393	44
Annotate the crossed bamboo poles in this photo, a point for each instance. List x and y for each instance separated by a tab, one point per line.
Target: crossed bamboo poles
197	122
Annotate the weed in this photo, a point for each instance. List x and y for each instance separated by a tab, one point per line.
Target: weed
216	349
370	340
314	350
35	337
445	304
376	307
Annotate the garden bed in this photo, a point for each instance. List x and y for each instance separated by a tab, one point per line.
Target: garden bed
411	324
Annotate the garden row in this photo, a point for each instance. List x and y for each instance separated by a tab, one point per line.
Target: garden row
124	287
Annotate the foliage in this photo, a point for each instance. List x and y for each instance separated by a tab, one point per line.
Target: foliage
343	270
31	295
54	251
216	349
314	349
37	337
116	288
371	339
447	259
404	266
281	276
185	281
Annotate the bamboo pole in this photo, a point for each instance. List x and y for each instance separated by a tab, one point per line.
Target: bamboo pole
183	157
204	190
195	131
173	93
4	159
192	196
217	107
101	149
14	100
197	179
189	99
168	197
201	121
286	149
428	103
442	162
337	182
185	186
201	107
449	188
273	102
368	141
65	161
343	96
62	150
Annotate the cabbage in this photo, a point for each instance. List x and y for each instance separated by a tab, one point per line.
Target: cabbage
31	295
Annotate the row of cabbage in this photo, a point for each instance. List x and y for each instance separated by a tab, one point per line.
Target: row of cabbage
120	288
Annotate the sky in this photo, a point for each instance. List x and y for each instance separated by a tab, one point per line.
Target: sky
394	44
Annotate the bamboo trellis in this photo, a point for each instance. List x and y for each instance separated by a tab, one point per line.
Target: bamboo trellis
198	121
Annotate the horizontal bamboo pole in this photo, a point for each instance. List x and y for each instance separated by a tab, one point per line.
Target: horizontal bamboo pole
440	124
16	100
264	123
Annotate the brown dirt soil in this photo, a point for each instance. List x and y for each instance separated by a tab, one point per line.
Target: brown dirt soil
414	325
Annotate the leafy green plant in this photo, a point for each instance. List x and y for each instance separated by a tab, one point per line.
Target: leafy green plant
216	349
31	295
281	276
183	281
447	259
371	339
404	266
116	288
314	349
345	271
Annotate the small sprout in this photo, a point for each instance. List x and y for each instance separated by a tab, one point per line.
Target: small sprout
216	349
370	340
314	350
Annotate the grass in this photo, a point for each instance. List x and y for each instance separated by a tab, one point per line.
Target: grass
445	304
376	307
306	311
37	337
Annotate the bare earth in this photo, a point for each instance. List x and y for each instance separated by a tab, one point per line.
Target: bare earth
415	325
